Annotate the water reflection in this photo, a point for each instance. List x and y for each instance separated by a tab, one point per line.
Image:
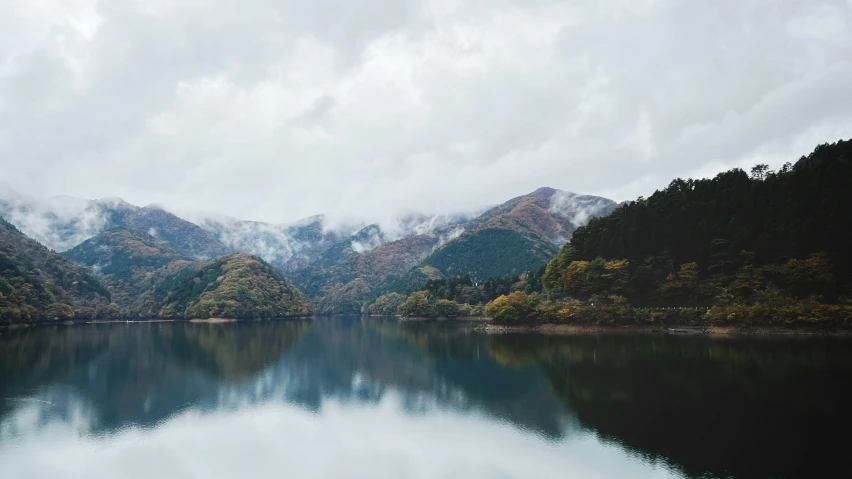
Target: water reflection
731	407
368	389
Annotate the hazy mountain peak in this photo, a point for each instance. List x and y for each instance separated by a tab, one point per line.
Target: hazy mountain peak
114	202
310	220
155	206
578	209
544	192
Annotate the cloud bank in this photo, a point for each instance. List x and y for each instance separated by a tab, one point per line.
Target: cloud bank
274	111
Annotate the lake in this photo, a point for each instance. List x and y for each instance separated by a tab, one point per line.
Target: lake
376	398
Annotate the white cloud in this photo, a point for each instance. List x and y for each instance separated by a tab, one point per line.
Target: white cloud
264	440
364	109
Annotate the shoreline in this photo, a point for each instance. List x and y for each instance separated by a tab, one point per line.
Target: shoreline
15	326
213	320
551	329
445	319
486	325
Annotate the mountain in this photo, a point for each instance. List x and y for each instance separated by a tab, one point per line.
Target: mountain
234	286
38	284
60	223
292	247
800	209
520	235
130	264
340	268
117	252
287	247
348	285
796	219
766	249
187	238
150	279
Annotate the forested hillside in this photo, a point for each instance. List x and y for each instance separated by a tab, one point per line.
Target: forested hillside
451	297
790	213
519	235
348	286
490	253
233	286
149	279
130	264
769	247
61	223
287	247
117	252
37	284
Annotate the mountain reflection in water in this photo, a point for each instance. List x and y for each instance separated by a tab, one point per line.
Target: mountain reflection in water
372	397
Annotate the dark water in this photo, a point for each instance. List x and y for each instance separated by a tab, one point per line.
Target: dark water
367	397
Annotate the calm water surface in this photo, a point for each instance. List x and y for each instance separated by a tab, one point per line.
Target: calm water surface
368	397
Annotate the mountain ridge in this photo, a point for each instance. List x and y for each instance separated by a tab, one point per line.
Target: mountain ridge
60	223
150	279
37	284
521	234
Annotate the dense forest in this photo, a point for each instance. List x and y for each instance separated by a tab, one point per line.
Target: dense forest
233	286
490	253
454	296
769	247
518	235
121	273
37	284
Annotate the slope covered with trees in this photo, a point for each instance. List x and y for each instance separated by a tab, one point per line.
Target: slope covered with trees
131	265
519	235
453	296
348	286
794	212
37	284
61	223
771	247
491	252
119	251
149	279
233	286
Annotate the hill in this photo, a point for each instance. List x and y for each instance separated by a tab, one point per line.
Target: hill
348	285
118	251
130	264
519	235
186	238
766	248
796	211
296	246
37	284
736	220
150	279
60	223
234	286
287	247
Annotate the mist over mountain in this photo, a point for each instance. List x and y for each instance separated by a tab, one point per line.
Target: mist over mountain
339	266
287	247
521	234
149	279
62	222
37	284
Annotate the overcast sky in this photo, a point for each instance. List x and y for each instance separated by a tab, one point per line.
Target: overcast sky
278	109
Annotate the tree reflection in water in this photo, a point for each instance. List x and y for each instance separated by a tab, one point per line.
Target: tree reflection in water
746	408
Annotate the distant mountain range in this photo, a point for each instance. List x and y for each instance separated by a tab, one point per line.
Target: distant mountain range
131	249
62	222
521	234
121	273
39	284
